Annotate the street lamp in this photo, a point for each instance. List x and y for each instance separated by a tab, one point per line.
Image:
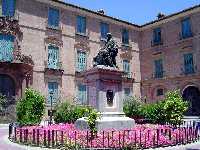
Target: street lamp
51	110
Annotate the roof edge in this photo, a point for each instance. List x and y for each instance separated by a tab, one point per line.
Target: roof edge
126	22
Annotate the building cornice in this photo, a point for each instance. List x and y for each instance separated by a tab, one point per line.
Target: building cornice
88	12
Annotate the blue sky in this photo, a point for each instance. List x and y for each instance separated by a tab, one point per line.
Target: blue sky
136	11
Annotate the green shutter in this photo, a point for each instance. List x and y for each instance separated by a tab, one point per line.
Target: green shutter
53	57
6	47
82	94
186	28
158	68
52	87
81	61
188	63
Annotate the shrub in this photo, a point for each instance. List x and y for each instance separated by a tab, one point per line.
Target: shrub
69	113
174	107
154	112
30	109
132	107
170	110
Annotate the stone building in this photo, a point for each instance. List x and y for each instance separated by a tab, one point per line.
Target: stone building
45	44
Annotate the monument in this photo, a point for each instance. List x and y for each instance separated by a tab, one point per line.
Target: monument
104	87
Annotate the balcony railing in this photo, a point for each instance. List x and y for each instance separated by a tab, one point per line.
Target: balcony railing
185	35
156	43
158	75
56	66
188	71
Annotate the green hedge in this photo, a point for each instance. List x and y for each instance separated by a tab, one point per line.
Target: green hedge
66	112
30	109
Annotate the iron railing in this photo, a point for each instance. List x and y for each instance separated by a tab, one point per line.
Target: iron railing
136	139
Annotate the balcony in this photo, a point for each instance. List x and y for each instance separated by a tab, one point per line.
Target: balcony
188	71
15	57
54	69
158	75
156	43
183	36
128	77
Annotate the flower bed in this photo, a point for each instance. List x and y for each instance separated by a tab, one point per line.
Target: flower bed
141	136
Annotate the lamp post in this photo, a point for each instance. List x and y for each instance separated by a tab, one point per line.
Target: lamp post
51	110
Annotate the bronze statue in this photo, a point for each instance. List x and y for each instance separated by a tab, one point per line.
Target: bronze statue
107	55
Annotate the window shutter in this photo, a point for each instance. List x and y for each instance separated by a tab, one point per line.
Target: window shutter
52	87
53	57
188	63
126	66
6	47
8	7
82	94
81	24
125	36
186	28
158	68
81	61
53	20
104	30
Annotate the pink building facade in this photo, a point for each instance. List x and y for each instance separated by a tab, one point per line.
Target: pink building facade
45	44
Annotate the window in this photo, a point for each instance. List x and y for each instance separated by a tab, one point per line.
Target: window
125	36
126	67
160	92
53	18
6	47
8	8
52	93
188	63
81	61
186	28
82	94
53	57
81	25
157	36
158	68
104	30
127	92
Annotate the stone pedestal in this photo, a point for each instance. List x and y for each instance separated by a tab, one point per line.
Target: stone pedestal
104	87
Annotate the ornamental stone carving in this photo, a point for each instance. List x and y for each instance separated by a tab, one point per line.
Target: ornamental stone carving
9	26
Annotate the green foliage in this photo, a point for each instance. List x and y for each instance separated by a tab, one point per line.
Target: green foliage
154	112
91	120
3	102
169	110
174	107
30	109
69	113
132	107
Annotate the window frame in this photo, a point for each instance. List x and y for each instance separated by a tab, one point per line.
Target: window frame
157	38
188	70
59	13
104	24
125	40
8	11
158	74
183	34
77	64
77	25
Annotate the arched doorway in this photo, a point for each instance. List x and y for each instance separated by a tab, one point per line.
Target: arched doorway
7	108
7	86
192	95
